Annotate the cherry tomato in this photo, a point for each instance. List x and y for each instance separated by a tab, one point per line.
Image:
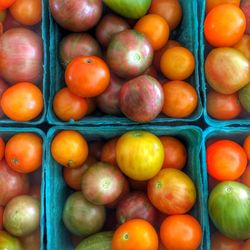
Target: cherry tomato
210	4
4	4
226	160
244	46
224	25
108	153
246	146
2	148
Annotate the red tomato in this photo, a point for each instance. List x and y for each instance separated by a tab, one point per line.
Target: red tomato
1	217
4	4
224	25
2	148
108	153
246	146
226	160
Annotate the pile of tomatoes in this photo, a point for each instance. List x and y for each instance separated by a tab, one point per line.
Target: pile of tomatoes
132	185
229	198
20	181
227	65
21	60
122	61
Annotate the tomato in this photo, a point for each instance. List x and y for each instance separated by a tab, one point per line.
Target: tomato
23	152
68	106
17	184
139	154
246	146
32	241
221	242
224	25
108	153
246	245
22	102
135	233
210	4
245	177
172	191
226	160
4	4
245	97
180	99
2	148
3	87
244	46
27	12
9	242
81	217
1	217
171	10
222	106
95	149
175	152
155	28
228	207
108	27
87	76
3	14
69	148
181	232
136	205
77	44
227	70
177	63
73	176
75	15
129	54
245	7
102	183
22	215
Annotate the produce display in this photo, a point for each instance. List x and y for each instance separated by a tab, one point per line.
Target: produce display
124	192
123	62
227	156
23	63
21	192
225	61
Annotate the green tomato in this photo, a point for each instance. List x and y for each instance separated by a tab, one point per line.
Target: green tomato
244	96
8	242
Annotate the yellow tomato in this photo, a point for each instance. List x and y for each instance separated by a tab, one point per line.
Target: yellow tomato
139	154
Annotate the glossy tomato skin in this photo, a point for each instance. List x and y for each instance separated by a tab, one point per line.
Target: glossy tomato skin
24	152
230	222
81	217
226	160
74	45
136	205
32	241
108	101
139	154
22	102
87	76
172	191
4	4
27	12
129	54
76	15
109	26
245	7
141	99
102	183
7	241
17	184
227	70
222	106
3	87
224	25
20	46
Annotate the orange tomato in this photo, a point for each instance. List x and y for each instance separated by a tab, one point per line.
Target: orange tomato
135	234
23	152
2	148
224	25
67	105
155	28
181	232
87	76
210	4
171	10
4	4
69	148
108	153
22	101
246	146
180	99
244	46
27	12
177	63
175	153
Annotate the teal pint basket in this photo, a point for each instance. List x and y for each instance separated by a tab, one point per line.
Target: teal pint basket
57	191
237	134
204	49
6	133
45	80
187	34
